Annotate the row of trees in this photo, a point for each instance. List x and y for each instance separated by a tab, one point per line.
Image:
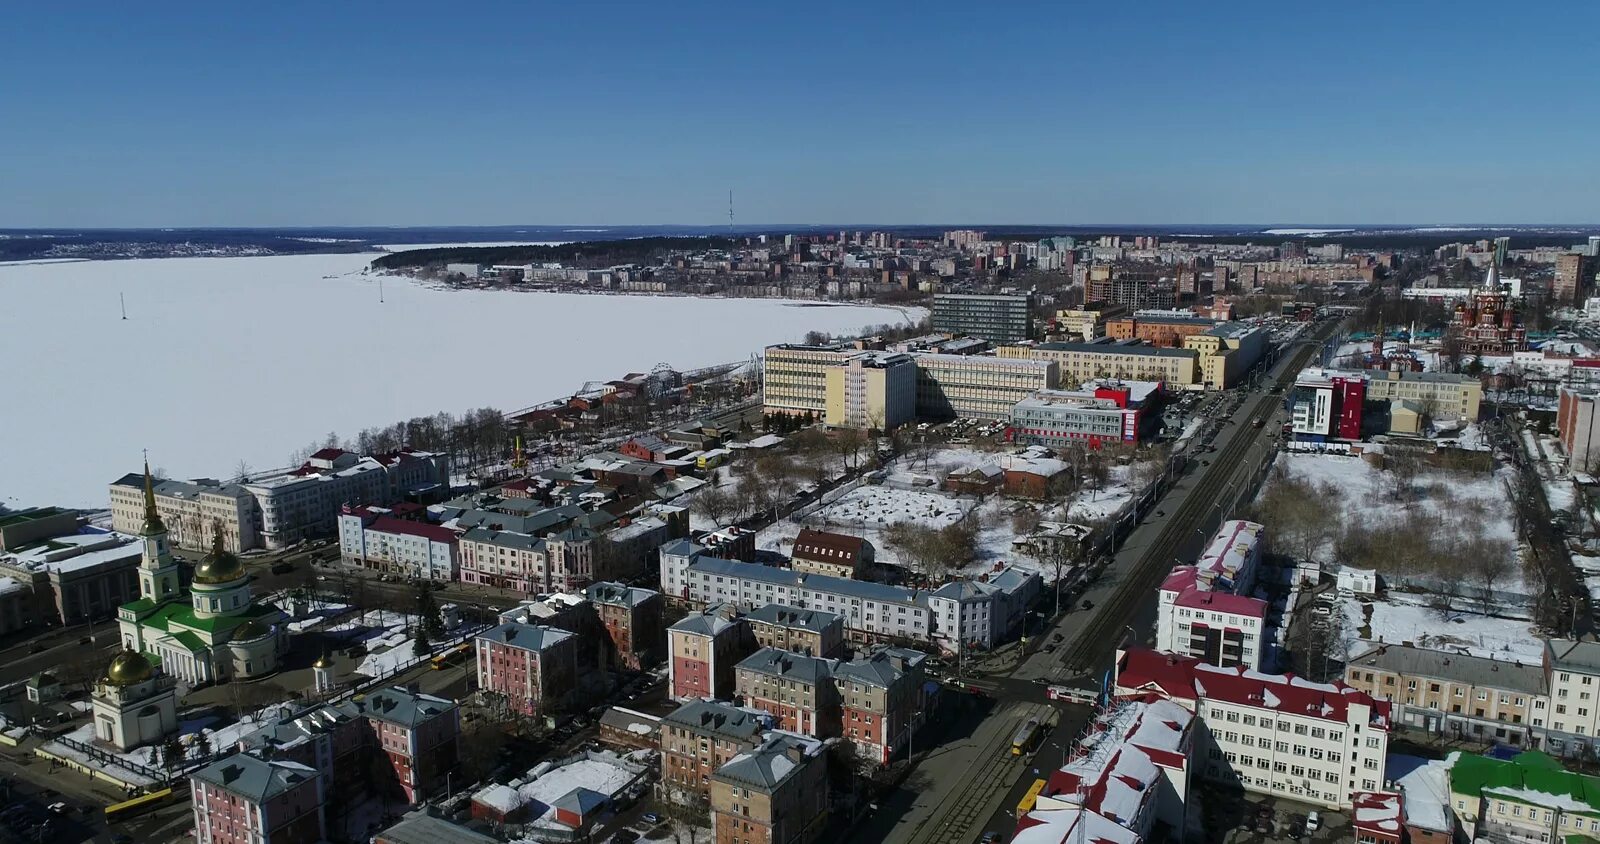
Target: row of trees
475	438
935	552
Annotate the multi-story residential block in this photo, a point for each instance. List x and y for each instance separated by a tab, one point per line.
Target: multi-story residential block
978	386
795	689
774	794
1280	735
702	650
194	511
1079	362
1574	278
1571	715
871	611
980	614
1226	352
1455	695
1526	799
794	379
332	738
1167	331
370	537
1575	424
998	319
240	799
418	733
871	390
701	736
809	632
1211	624
1087	322
883	700
306	501
632	617
1133	767
531	665
833	554
503	559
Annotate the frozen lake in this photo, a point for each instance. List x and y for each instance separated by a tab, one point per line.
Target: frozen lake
229	358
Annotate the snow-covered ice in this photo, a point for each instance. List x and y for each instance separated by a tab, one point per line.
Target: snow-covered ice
253	358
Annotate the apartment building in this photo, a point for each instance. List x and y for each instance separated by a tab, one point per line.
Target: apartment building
1574	278
871	611
1527	799
531	665
503	559
1575	424
871	391
978	386
1165	331
331	738
1226	352
702	650
632	618
802	631
998	319
978	614
1210	624
371	538
1455	695
1133	767
795	689
882	699
418	736
1127	360
1273	734
832	554
240	799
306	502
1087	322
701	736
776	793
1572	676
193	511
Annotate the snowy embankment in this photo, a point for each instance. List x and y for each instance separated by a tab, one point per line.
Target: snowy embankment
250	359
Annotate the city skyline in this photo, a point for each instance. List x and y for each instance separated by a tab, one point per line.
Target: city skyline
180	117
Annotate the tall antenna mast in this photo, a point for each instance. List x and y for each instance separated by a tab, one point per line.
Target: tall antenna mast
124	301
730	212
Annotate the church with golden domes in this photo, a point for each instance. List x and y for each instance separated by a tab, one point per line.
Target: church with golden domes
215	632
133	705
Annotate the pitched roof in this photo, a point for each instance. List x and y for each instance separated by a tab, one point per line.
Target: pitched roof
618	594
1187	678
711	621
531	637
828	547
422	828
256	780
810	670
406	527
402	707
1459	668
766	767
782	615
719	719
882	668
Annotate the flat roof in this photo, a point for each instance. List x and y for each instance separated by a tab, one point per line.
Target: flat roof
1117	348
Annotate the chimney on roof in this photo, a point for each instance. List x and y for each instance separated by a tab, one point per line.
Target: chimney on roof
231	773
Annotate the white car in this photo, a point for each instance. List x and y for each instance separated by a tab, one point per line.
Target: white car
1313	822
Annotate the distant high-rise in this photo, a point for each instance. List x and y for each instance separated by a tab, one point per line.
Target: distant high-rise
1502	245
1574	277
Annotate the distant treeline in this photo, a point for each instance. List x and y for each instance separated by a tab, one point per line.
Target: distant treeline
591	253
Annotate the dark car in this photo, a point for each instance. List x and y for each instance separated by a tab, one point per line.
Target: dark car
1087	604
1050	648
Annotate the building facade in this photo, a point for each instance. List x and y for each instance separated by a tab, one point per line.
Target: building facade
632	618
306	502
1453	695
998	319
1058	418
883	700
371	538
417	735
797	690
774	794
808	632
1080	362
871	391
702	650
193	511
978	386
530	665
244	800
701	736
832	554
1575	425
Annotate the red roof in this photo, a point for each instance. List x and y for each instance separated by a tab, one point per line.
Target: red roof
389	524
1187	678
1222	602
329	454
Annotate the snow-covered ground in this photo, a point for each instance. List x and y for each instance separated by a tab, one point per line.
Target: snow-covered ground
1393	622
1366	501
252	358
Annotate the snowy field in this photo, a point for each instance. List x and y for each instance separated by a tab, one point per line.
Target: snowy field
1367	501
1479	635
253	358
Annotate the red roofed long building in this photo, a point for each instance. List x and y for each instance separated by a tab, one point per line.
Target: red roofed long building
1274	734
371	537
1216	626
1132	767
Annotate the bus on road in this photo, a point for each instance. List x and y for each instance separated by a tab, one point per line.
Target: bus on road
1030	799
1026	739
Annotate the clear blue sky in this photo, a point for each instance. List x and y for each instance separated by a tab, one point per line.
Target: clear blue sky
346	113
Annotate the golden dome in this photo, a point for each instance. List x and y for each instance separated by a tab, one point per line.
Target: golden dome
323	661
219	566
128	668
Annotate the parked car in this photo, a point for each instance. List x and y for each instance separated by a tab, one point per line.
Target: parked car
1087	604
650	818
1313	822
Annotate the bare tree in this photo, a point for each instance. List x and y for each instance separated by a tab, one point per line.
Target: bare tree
714	503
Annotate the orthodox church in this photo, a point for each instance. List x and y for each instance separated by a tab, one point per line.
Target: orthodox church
217	631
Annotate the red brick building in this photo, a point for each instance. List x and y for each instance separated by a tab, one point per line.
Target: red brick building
703	649
632	618
531	665
831	554
882	700
1166	332
244	800
418	733
700	737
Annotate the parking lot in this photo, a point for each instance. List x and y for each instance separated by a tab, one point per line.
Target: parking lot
1268	820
